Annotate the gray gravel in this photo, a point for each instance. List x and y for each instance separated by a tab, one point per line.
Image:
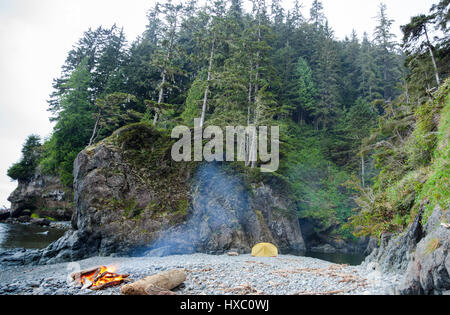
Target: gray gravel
211	275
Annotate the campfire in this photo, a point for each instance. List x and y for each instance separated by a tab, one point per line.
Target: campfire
99	278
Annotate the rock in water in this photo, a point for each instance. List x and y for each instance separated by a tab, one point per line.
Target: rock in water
4	214
44	193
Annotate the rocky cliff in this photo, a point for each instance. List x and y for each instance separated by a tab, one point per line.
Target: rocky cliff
132	198
225	214
43	195
429	266
420	253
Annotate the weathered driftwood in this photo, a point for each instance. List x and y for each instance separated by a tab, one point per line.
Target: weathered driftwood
160	283
108	285
322	293
166	293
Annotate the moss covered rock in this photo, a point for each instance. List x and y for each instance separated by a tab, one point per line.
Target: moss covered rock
130	195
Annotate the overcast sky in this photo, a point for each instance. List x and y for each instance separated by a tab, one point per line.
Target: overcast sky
35	36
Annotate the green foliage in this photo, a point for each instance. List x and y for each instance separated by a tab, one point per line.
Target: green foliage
316	183
414	172
259	68
436	189
306	88
31	154
74	126
115	111
194	99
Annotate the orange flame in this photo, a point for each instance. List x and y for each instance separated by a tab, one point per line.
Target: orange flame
102	276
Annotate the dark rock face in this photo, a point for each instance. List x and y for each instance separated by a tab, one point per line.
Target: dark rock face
429	269
394	253
278	214
4	214
43	194
225	215
421	253
127	190
162	207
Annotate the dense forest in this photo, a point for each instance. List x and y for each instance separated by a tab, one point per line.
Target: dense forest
356	116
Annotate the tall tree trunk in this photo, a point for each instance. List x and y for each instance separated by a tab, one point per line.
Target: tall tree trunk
258	54
161	96
363	171
436	72
94	132
205	98
250	90
249	112
164	72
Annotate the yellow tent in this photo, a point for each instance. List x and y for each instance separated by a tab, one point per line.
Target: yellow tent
264	250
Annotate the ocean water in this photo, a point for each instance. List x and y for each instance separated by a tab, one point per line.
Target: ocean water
338	258
27	236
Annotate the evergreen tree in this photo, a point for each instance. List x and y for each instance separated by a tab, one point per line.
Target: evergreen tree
31	153
166	53
73	129
369	88
416	34
306	90
388	62
113	112
103	51
350	71
317	17
326	75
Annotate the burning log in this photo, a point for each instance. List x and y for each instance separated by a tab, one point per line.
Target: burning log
98	278
78	275
159	284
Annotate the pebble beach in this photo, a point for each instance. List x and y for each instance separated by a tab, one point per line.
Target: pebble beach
210	275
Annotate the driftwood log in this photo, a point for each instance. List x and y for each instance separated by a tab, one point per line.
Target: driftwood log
158	284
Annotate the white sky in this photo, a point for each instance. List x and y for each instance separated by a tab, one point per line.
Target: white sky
36	35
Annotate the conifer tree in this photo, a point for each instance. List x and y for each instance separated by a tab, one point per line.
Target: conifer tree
317	17
167	52
327	79
416	33
387	59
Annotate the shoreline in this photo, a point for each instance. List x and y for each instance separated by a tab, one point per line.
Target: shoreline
211	275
